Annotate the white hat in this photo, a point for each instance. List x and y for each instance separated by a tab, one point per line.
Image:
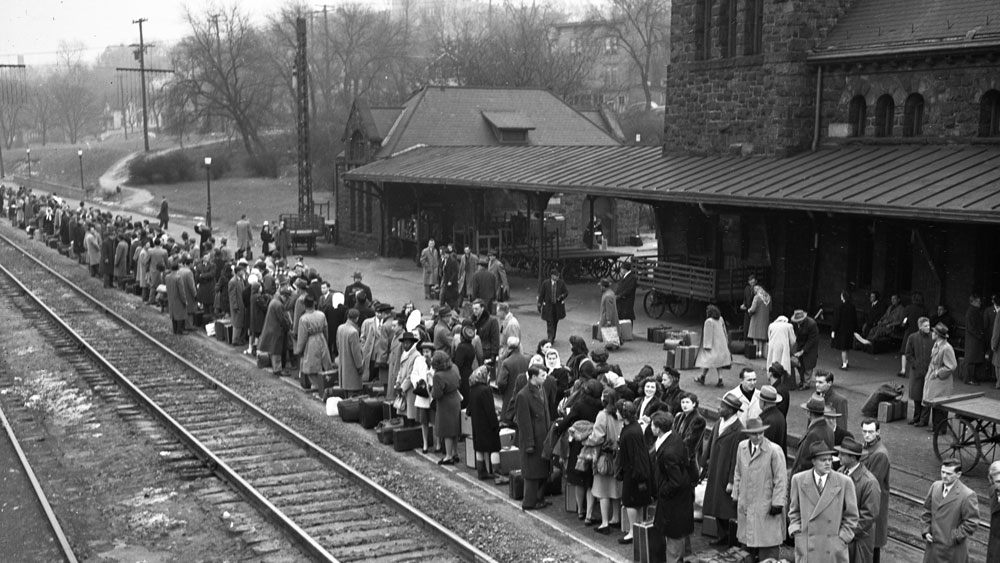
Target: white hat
413	321
337	300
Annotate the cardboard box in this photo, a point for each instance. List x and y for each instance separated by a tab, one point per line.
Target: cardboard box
891	411
625	330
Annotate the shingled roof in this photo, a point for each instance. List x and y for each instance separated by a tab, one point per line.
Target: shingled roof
450	116
885	27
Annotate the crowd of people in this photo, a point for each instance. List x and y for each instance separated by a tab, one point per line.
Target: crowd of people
619	442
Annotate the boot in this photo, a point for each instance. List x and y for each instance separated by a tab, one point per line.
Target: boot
481	473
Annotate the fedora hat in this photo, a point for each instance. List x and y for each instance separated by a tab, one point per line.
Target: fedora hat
850	446
383	308
819	448
427	346
770	394
732	402
815	405
941	329
408	337
444	311
829	412
798	316
755	426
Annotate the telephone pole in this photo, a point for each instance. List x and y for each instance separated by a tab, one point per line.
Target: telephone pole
142	80
302	99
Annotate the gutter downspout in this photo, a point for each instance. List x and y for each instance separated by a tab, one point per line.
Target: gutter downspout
819	105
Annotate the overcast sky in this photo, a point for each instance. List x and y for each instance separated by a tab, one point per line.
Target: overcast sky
34	28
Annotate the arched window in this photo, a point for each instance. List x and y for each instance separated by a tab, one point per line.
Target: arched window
989	114
885	113
913	115
754	28
727	28
703	30
858	116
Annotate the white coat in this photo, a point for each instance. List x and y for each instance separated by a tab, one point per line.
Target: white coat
758	483
780	342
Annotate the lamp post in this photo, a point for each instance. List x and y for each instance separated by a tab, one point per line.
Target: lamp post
208	184
79	154
28	150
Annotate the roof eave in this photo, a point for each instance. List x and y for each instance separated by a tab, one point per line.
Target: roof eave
905	51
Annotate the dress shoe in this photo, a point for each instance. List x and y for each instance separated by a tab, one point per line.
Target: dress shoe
446	461
911	422
623	540
606	530
901	374
589	522
843	367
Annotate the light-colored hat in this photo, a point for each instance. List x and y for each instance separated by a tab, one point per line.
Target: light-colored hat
770	394
413	320
755	426
798	316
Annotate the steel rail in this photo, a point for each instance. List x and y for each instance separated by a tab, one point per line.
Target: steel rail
464	549
67	551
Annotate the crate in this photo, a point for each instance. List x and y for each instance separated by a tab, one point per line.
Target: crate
891	411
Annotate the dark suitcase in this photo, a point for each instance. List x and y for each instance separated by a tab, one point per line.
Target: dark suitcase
657	333
515	487
750	351
339	392
388	411
407	438
350	410
385	429
370	413
224	331
737	346
648	545
263	360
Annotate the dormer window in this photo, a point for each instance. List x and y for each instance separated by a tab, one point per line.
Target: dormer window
509	127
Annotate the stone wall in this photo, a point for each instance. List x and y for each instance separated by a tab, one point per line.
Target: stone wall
747	104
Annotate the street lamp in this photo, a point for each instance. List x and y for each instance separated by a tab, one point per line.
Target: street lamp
79	154
208	183
28	150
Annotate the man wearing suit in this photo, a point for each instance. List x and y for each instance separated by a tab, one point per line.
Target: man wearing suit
552	294
449	279
817	431
351	292
483	285
993	547
866	487
674	481
773	418
237	308
500	276
823	510
466	269
625	293
950	516
748	294
431	264
244	237
759	490
532	417
875	457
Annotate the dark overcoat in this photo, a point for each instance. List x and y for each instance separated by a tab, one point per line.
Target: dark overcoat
674	516
625	293
975	338
778	431
807	342
845	324
444	390
532	416
552	303
176	298
276	325
691	428
875	457
485	425
720	460
449	280
866	487
634	467
818	430
918	356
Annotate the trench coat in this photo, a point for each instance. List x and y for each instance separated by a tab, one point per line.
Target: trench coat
780	342
121	259
869	493
276	325
236	306
918	357
939	381
349	358
824	521
675	483
760	317
431	264
93	244
485	425
949	520
190	293
311	345
444	390
760	482
176	298
875	458
532	416
719	459
714	350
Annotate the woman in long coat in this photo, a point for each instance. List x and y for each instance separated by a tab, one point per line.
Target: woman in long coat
485	424
690	425
585	406
607	489
532	417
939	381
283	241
311	346
634	467
780	342
444	390
760	317
276	325
845	324
465	360
718	464
609	311
714	351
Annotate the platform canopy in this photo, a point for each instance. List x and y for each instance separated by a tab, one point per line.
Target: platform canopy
937	182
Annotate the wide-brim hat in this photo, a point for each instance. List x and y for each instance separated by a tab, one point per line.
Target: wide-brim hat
819	448
383	308
770	394
414	320
444	311
850	446
798	316
755	426
468	332
408	337
427	346
815	405
732	402
829	412
941	329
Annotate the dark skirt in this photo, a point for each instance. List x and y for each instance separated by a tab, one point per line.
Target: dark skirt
574	477
633	497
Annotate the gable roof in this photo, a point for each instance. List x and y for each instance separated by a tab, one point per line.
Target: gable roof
883	27
942	183
453	116
383	119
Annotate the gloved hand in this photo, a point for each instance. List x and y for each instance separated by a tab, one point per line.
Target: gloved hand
776	510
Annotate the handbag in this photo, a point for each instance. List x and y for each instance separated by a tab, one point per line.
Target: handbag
420	389
399	403
605	464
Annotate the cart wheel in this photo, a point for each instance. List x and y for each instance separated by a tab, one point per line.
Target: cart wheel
988	439
598	269
679	305
655	304
616	269
957	438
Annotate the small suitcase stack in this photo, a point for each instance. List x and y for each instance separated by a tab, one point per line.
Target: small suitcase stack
350	410
515	487
407	438
890	411
386	429
657	333
224	331
370	413
510	460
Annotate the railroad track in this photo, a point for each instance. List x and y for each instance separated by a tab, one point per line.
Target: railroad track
328	509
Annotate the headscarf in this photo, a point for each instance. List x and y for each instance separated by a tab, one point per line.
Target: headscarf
480	375
539	361
552	362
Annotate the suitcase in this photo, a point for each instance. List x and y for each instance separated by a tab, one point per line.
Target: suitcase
388	411
569	499
648	545
470	454
370	413
263	360
350	410
709	527
750	351
737	347
507	437
671	344
890	411
335	391
510	460
224	331
671	360
657	333
595	332
687	354
407	438
515	487
625	330
683	335
385	429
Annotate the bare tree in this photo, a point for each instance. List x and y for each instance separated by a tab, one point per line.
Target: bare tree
41	102
642	28
75	105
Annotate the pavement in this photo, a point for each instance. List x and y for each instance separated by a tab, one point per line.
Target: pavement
397	281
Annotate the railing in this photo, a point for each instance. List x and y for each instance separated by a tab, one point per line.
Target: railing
695	282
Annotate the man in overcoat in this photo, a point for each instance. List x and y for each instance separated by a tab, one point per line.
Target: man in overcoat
500	276
532	415
993	547
719	464
822	510
975	341
675	478
625	292
823	380
176	300
350	358
449	279
773	418
483	284
806	345
244	237
352	290
918	356
875	457
276	326
430	262
512	367
817	431
467	264
868	493
759	491
190	292
950	516
237	308
552	294
164	214
121	262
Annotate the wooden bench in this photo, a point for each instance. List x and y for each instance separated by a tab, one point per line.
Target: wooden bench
304	230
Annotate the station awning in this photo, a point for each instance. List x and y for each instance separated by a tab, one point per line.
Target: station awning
937	182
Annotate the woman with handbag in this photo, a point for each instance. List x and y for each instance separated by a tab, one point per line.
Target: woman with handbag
579	422
607	489
420	379
447	401
634	468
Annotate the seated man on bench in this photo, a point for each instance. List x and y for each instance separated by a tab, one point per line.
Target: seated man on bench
888	328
